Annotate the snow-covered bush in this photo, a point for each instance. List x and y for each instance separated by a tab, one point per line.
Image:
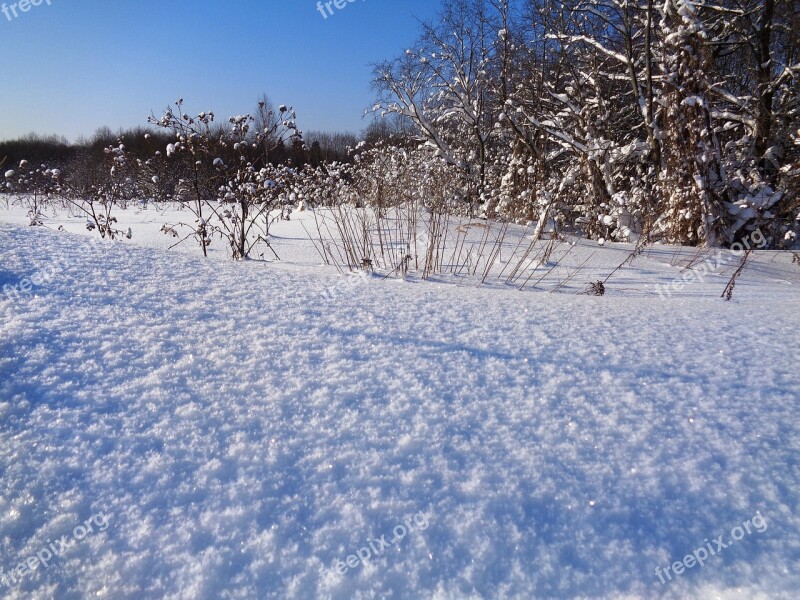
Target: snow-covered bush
33	187
103	187
393	211
226	178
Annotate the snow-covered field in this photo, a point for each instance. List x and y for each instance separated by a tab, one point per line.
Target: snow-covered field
173	426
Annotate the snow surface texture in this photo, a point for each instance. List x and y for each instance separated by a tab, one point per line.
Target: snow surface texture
243	430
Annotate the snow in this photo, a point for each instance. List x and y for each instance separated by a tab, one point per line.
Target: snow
245	427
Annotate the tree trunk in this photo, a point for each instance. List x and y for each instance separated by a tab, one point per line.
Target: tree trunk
764	79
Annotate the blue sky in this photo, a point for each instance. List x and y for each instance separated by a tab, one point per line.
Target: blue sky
75	65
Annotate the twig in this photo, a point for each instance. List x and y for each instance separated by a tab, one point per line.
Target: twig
728	292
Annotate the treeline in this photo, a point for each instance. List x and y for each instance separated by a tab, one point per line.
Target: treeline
315	147
676	120
43	149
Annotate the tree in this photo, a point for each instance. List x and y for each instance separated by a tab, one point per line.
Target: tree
443	89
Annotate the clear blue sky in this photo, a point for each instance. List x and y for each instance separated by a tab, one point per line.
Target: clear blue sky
76	65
